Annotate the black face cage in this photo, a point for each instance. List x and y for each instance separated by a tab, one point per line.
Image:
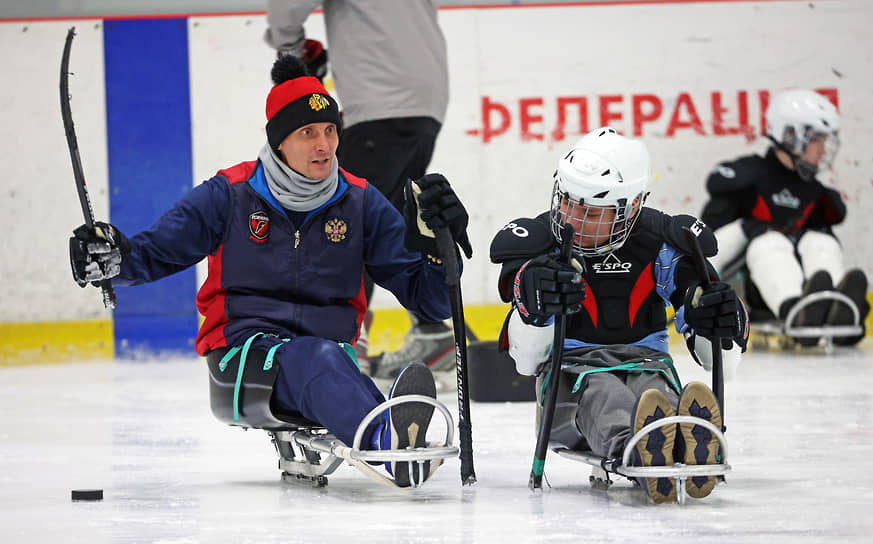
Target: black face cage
615	231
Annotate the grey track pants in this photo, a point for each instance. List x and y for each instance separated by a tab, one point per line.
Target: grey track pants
606	407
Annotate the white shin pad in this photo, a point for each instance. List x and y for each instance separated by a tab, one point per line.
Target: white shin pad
820	251
774	269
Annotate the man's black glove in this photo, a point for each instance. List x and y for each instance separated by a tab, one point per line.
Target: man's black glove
96	253
717	312
315	58
544	287
430	204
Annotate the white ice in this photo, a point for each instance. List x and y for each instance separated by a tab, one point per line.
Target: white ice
799	431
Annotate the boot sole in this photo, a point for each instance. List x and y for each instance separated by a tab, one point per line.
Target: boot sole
409	422
701	445
656	448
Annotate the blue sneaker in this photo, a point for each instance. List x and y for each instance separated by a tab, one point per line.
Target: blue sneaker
405	425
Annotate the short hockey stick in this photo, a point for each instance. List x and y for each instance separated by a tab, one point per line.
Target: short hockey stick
554	376
449	255
717	363
73	144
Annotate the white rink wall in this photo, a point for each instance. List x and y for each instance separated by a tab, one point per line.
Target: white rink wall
657	70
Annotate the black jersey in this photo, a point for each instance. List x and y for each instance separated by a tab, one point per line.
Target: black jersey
767	195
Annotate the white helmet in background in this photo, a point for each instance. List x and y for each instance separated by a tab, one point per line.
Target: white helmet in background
603	173
798	117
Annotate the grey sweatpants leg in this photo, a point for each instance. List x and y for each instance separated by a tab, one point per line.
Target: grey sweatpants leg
606	406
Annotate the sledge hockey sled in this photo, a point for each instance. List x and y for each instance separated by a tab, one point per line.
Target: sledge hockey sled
240	394
784	335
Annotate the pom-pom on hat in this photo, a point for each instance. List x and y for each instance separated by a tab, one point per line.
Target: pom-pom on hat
296	99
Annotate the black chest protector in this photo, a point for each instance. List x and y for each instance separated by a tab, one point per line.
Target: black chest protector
621	305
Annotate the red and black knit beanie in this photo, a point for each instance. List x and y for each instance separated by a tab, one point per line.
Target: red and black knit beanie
296	99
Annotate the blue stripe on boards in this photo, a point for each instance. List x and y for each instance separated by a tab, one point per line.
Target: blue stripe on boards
148	130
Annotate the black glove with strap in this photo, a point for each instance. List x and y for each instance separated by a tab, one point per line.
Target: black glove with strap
96	253
430	204
717	312
315	58
545	287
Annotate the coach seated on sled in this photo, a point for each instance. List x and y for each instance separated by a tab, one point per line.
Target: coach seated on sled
288	237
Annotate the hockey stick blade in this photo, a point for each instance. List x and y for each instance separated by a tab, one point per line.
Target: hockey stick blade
109	299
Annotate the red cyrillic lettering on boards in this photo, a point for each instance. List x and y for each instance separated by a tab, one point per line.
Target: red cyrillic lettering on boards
684	100
655	107
564	103
728	117
718	127
763	102
606	116
487	132
527	118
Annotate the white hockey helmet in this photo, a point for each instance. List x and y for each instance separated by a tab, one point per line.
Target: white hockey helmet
602	173
798	117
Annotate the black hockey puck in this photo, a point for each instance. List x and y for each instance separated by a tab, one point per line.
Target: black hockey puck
87	494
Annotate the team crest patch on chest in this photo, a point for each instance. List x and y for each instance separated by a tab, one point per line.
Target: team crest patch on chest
259	227
335	229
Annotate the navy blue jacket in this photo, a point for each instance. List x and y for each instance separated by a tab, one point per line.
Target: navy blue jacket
267	274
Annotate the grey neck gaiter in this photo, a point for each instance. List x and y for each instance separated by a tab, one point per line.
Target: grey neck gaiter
294	191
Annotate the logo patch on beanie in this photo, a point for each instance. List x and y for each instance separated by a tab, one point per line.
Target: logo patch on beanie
318	102
259	226
335	229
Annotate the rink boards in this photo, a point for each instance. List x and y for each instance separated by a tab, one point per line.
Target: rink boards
162	103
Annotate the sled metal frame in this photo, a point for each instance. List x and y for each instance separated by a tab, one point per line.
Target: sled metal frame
308	452
602	467
827	332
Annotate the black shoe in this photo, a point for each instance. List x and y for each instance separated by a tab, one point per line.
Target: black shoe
813	315
408	422
854	286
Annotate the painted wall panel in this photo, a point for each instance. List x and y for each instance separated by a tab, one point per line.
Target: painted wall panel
149	150
38	202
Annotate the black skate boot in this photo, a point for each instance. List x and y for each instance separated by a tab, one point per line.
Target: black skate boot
406	424
695	444
814	314
656	448
854	286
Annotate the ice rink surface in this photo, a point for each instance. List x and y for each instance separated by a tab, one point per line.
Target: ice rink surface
800	436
